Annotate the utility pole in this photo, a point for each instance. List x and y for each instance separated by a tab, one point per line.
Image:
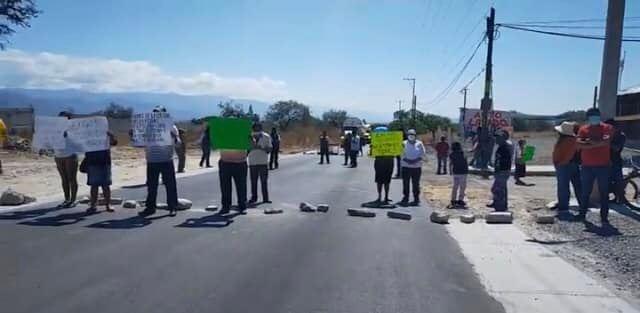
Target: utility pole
400	114
464	111
413	102
611	59
486	105
595	97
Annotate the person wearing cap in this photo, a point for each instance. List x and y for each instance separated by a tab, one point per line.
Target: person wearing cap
412	158
594	142
324	147
160	162
67	164
566	161
261	146
502	170
618	140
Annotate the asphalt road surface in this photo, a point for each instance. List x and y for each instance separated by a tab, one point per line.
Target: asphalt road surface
64	261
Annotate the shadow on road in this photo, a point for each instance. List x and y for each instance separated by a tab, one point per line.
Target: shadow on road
59	220
127	223
626	211
210	221
20	215
606	230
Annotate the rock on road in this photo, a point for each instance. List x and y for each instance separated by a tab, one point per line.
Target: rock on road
64	261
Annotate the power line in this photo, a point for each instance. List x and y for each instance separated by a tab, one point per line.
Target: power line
590	20
567	26
473	79
597	37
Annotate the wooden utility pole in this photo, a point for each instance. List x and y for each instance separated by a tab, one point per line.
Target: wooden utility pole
611	59
486	105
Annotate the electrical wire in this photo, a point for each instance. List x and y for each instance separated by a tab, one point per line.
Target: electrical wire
591	20
567	26
582	36
472	79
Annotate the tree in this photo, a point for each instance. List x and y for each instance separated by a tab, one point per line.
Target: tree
334	118
424	122
229	109
285	113
114	110
15	13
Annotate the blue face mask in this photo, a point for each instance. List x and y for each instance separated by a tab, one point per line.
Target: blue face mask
594	120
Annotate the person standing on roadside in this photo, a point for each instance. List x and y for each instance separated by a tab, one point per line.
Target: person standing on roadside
324	147
160	162
502	166
232	167
412	159
442	151
617	145
67	165
567	165
521	165
98	165
181	151
258	163
205	145
594	142
275	151
346	146
459	170
355	149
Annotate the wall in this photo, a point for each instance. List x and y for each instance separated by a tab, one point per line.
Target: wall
19	121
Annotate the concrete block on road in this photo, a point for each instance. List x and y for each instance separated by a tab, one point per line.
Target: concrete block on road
439	218
273	211
399	215
324	208
545	219
211	208
307	207
130	204
361	212
184	204
467	218
505	217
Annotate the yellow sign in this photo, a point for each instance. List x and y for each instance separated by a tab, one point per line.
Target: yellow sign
386	143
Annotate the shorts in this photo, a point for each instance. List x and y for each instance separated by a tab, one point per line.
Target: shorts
384	169
99	175
521	170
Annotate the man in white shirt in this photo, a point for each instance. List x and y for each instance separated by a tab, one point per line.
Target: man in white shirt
261	146
412	158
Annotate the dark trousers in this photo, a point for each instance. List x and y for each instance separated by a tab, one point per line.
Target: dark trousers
154	170
410	174
261	172
568	174
398	166
347	154
442	165
273	158
354	158
324	154
181	152
590	175
206	154
238	172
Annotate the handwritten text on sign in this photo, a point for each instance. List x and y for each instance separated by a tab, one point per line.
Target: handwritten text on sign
152	129
49	133
88	134
386	143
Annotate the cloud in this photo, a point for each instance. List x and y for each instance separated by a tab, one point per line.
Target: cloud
56	71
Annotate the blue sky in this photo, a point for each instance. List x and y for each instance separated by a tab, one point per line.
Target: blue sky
329	54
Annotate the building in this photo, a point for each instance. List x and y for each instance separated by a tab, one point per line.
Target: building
628	114
19	121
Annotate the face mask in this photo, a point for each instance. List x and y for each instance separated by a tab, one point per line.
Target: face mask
411	137
594	120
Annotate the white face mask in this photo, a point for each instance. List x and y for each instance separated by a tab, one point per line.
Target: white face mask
411	137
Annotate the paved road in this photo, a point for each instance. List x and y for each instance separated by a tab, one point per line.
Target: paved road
63	261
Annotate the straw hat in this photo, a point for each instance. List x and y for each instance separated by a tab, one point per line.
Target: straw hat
566	128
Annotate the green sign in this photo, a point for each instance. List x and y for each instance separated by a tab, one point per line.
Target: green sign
229	133
529	152
386	143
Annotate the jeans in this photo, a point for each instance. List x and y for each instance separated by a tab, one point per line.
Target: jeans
354	158
273	157
261	172
410	174
590	175
206	155
568	174
442	165
168	178
459	187
238	172
68	170
324	153
499	191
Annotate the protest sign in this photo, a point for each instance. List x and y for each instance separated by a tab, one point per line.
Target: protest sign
88	134
151	129
49	133
229	133
528	153
386	143
471	119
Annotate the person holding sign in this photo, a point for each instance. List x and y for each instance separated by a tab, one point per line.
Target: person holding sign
259	163
67	164
160	162
412	158
98	168
383	162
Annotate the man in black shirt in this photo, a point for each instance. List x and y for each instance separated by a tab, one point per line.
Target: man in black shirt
617	144
502	166
324	147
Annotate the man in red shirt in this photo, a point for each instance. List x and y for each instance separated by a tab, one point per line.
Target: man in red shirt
442	149
594	144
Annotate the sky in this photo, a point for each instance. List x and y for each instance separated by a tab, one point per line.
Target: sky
344	54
